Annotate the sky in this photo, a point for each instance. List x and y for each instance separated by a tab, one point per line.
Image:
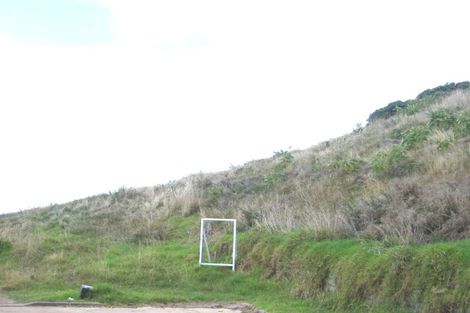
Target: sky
101	94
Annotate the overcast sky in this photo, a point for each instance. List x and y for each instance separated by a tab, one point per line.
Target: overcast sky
99	94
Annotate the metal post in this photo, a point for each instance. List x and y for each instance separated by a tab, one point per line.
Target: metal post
234	252
200	244
207	248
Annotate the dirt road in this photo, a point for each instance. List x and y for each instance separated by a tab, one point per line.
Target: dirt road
8	306
4	300
13	309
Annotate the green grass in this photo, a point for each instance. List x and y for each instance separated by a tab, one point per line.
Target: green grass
292	272
162	273
127	273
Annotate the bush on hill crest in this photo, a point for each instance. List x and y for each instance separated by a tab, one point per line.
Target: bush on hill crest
424	98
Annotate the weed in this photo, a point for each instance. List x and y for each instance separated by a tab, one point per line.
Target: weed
5	246
443	118
416	105
213	194
347	166
462	127
444	144
314	164
278	171
414	136
358	128
387	163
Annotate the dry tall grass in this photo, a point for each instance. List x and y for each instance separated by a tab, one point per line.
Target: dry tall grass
331	189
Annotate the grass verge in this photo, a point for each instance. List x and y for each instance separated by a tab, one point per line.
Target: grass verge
291	272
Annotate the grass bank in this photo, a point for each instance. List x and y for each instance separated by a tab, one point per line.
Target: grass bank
346	274
294	272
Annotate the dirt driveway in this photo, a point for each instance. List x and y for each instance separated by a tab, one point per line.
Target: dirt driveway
4	300
8	306
18	309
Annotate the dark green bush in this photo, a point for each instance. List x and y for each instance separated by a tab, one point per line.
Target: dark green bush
443	90
387	111
412	106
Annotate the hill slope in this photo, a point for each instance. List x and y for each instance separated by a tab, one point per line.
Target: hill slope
326	228
405	177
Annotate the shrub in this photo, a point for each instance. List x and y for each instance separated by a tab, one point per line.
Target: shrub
387	163
347	166
446	119
444	143
314	164
398	133
443	118
416	105
277	173
414	135
213	194
412	106
462	125
445	89
358	128
387	111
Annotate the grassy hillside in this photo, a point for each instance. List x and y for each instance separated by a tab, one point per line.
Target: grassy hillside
356	223
403	178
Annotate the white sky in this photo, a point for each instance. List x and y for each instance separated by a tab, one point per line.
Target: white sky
190	86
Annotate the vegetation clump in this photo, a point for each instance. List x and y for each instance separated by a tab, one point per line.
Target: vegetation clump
412	106
278	172
5	246
444	89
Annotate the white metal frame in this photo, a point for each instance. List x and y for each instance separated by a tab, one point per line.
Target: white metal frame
204	241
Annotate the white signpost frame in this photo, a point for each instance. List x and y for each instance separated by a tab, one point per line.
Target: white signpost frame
204	241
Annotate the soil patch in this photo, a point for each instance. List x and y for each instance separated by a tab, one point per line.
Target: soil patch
37	309
5	300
